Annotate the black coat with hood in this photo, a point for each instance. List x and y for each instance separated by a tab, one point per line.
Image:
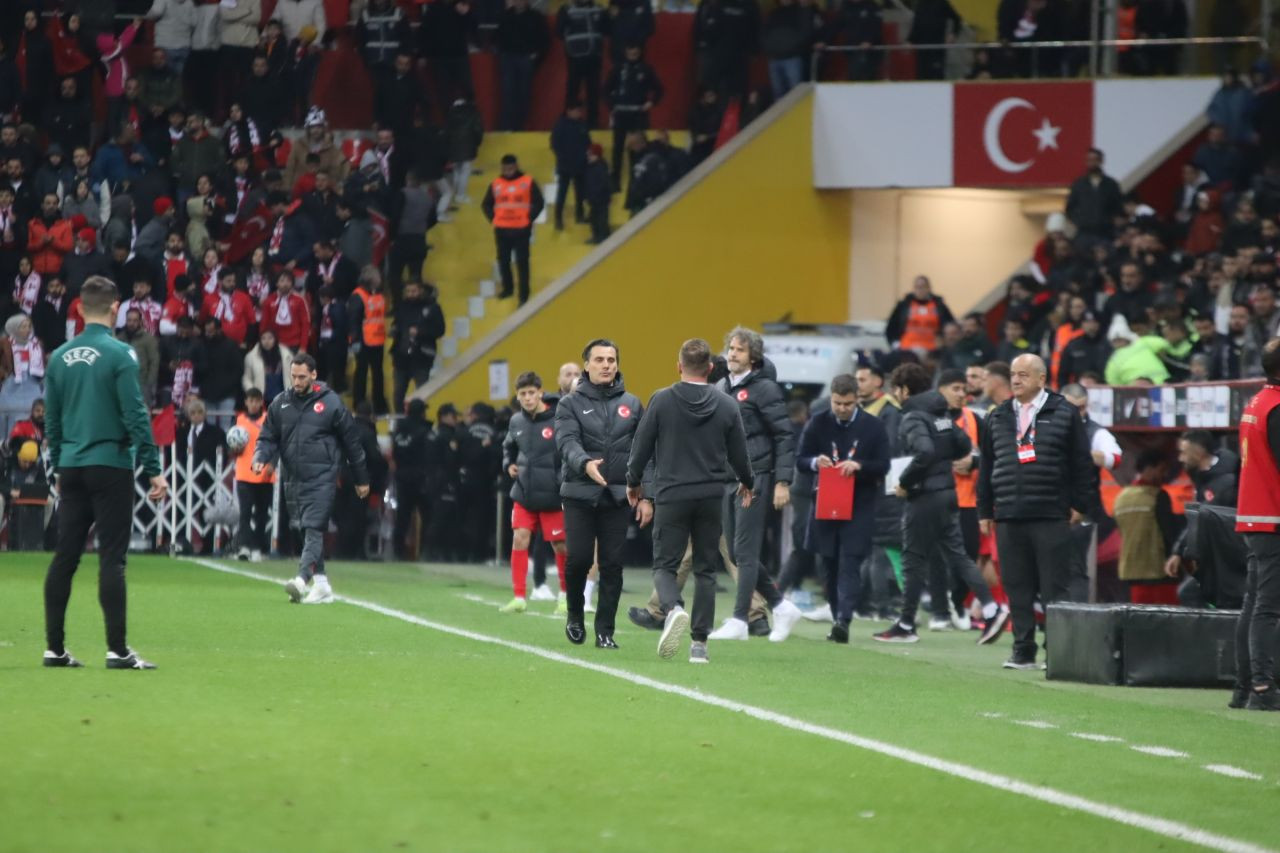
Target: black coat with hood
596	422
531	446
929	436
692	435
770	437
309	434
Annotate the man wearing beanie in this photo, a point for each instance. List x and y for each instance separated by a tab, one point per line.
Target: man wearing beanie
513	201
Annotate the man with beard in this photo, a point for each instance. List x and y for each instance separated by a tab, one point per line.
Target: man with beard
1087	353
49	237
230	306
146	349
418	326
49	319
1094	201
306	430
85	260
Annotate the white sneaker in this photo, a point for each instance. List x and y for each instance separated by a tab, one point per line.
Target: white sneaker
587	606
785	617
255	556
819	614
941	625
732	629
297	589
542	593
677	625
462	199
961	621
321	593
242	554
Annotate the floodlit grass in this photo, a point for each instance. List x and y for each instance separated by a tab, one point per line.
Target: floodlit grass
272	727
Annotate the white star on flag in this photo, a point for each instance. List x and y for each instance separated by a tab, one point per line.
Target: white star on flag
1047	134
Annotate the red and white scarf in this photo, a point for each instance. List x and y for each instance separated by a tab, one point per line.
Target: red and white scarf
211	279
28	360
284	315
26	292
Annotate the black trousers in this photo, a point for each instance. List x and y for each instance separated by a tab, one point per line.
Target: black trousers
369	359
624	123
971	533
675	523
237	65
513	241
1035	559
584	71
744	530
411	496
331	364
408	251
515	72
600	220
418	374
562	195
800	563
101	497
1258	628
933	551
255	506
596	531
453	80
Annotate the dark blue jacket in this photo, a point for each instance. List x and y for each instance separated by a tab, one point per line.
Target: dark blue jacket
866	439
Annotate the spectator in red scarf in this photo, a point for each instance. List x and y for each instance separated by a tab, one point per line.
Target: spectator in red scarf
286	314
230	306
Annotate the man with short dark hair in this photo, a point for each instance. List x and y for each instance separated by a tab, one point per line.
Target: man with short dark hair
98	428
856	443
533	464
930	519
315	423
1095	200
367	327
1258	628
693	436
253	488
595	425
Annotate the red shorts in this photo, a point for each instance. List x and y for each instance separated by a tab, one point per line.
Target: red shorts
552	522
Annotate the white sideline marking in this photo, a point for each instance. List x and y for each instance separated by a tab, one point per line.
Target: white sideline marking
1162	751
1034	724
1097	738
1157	825
992	715
479	599
1233	772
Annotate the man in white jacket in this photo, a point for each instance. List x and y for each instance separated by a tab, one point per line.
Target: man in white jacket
240	38
296	14
175	24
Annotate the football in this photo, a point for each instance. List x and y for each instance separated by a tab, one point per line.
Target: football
237	439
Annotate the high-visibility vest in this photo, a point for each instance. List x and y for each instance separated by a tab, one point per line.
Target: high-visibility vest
1126	26
922	326
1141	543
374	328
244	462
1259	507
967	484
1066	334
512	199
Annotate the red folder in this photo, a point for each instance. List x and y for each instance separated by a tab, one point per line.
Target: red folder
835	496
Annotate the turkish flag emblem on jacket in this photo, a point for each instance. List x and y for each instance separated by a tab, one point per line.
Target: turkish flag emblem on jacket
1021	134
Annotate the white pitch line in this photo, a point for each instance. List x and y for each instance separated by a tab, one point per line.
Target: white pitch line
479	599
1161	751
1097	738
1034	724
1233	772
1157	825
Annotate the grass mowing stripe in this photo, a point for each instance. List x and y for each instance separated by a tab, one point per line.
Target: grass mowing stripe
1159	826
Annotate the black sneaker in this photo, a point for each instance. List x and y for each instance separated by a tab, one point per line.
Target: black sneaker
897	634
64	660
575	631
605	641
1239	696
758	627
839	633
994	627
1267	700
1017	662
642	618
129	661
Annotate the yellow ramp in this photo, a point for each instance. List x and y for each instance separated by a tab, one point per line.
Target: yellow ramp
745	238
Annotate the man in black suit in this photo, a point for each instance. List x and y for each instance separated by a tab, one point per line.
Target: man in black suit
201	439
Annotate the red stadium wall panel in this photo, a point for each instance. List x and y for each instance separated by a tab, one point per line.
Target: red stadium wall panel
1006	135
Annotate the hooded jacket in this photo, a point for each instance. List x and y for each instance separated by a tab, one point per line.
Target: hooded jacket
929	436
693	435
309	433
531	445
596	422
770	438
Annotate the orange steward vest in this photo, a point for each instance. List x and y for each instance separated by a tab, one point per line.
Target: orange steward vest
244	462
512	200
967	484
374	328
922	326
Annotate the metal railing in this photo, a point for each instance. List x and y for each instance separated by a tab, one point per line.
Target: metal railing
1095	47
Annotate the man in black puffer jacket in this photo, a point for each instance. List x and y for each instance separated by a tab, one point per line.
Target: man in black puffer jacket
411	450
308	428
1035	472
595	425
532	461
772	449
931	540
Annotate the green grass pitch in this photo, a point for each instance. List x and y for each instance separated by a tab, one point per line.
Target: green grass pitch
272	727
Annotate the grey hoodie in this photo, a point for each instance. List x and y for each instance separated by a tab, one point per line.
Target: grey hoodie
694	435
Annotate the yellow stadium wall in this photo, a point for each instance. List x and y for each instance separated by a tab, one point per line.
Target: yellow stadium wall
752	242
